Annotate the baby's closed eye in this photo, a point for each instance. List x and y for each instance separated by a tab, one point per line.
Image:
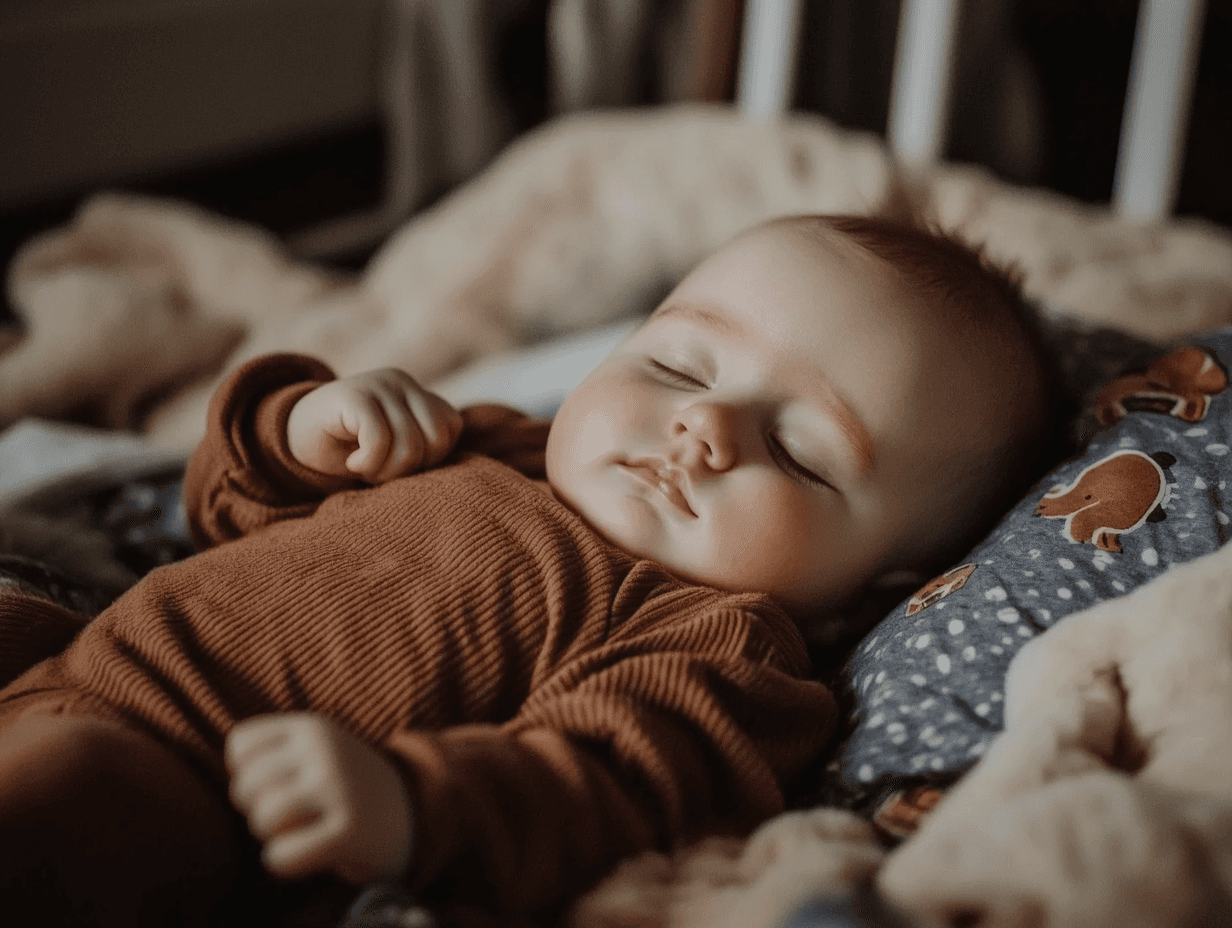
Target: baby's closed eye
794	468
676	377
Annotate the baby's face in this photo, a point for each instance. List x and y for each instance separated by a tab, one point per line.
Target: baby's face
779	424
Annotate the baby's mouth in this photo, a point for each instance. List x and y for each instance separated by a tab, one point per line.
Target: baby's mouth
665	478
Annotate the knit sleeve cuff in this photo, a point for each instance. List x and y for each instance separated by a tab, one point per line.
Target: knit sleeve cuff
251	412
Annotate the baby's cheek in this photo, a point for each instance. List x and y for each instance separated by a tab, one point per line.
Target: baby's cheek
772	543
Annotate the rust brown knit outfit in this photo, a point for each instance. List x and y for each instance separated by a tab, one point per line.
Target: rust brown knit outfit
553	702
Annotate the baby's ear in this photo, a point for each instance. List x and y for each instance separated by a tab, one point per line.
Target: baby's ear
911	580
839	624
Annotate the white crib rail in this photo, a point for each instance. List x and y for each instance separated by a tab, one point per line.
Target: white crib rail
923	76
1156	116
768	51
1156	105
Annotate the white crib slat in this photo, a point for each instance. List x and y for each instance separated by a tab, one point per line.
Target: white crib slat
923	73
769	46
1156	116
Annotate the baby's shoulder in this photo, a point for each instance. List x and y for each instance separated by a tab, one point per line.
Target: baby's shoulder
749	624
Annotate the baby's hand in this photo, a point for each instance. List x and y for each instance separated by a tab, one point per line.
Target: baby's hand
318	798
378	425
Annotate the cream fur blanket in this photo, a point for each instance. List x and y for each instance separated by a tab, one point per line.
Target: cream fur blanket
1106	803
134	311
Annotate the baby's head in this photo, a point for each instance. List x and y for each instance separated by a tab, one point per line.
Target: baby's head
823	402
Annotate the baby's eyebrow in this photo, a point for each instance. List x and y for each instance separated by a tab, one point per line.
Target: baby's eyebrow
854	433
702	315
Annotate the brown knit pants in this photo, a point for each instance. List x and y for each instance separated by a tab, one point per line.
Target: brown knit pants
103	826
100	824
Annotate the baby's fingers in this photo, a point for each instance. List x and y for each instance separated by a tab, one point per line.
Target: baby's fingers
254	737
262	775
374	435
423	430
404	453
304	850
281	810
441	425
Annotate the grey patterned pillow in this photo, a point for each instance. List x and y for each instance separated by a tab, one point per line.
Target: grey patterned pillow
1150	490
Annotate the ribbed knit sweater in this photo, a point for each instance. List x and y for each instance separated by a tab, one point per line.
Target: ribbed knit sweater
553	703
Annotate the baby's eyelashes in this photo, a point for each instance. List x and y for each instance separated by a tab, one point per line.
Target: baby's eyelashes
782	457
675	377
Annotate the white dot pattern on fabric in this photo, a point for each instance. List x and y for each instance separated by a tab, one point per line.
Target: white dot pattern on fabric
1150	557
943	663
956	626
1217	449
996	594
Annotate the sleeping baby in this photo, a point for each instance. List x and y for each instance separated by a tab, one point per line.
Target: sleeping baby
488	658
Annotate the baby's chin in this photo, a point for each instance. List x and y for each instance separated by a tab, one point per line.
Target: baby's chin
639	534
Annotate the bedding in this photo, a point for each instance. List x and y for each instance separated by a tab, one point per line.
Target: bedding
85	512
574	233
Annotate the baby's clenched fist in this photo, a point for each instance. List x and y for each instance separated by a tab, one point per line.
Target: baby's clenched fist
318	798
377	426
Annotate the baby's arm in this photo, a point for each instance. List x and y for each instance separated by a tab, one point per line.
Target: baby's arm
245	475
378	425
318	798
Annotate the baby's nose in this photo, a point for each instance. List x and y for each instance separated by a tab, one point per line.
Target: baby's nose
705	433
